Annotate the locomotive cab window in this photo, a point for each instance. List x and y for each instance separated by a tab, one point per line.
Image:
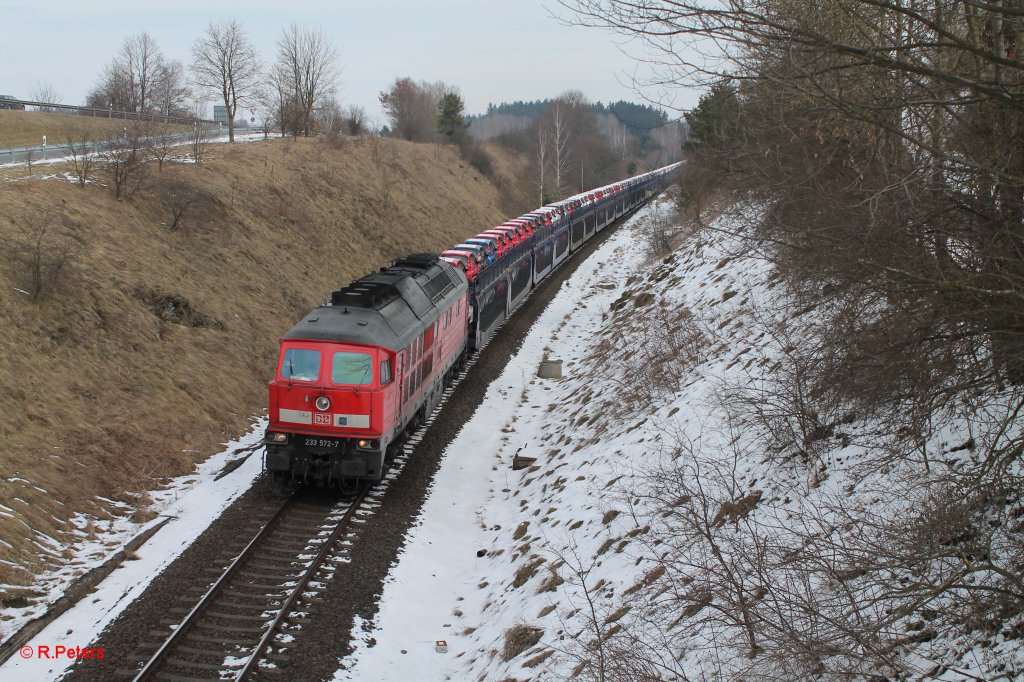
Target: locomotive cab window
351	368
385	372
300	364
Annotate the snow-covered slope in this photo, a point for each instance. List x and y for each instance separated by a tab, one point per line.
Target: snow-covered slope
643	537
183	509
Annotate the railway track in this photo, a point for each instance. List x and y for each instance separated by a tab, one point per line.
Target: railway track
241	626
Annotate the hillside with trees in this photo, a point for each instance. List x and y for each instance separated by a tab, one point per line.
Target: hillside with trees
572	143
869	155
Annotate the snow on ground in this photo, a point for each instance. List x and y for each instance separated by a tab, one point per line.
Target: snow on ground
441	588
508	575
188	504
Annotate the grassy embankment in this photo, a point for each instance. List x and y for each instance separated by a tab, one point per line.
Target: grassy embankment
27	128
111	383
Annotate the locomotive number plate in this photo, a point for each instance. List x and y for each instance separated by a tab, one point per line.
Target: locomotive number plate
321	443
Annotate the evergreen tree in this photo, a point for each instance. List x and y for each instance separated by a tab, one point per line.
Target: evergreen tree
450	121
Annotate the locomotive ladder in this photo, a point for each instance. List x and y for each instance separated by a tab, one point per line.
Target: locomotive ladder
155	667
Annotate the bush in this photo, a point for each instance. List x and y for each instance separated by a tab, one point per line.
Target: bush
43	255
519	638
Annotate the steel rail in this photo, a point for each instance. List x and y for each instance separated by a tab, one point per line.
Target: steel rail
179	632
300	587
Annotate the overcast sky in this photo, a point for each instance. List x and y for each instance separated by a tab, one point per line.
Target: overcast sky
492	50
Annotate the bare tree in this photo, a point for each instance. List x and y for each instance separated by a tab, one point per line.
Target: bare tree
542	162
127	82
309	59
225	63
141	59
330	119
124	162
199	140
559	135
44	256
170	89
47	93
160	142
356	120
82	152
181	198
279	101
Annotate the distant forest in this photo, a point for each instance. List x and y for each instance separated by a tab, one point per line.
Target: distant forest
639	118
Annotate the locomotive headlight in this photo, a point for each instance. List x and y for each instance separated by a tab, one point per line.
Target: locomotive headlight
362	443
277	437
323	403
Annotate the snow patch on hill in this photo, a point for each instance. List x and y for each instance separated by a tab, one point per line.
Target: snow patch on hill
650	494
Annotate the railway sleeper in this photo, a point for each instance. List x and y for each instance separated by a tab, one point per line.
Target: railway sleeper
288	552
185	663
170	677
275	575
254	616
217	653
229	628
270	560
298	526
249	601
309	512
275	582
223	641
198	590
258	591
292	548
291	545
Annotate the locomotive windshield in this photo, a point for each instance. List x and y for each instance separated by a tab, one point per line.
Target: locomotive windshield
351	368
300	364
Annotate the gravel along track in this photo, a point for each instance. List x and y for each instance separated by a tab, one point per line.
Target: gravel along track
315	645
277	578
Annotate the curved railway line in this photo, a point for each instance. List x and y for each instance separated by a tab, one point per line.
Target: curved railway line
267	638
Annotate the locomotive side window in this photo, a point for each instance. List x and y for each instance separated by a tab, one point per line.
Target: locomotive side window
385	372
300	364
351	368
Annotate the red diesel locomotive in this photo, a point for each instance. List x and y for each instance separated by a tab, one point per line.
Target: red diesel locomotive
358	373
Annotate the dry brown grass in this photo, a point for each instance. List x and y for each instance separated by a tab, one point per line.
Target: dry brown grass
518	639
102	396
26	128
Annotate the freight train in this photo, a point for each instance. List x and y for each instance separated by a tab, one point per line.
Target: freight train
361	372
